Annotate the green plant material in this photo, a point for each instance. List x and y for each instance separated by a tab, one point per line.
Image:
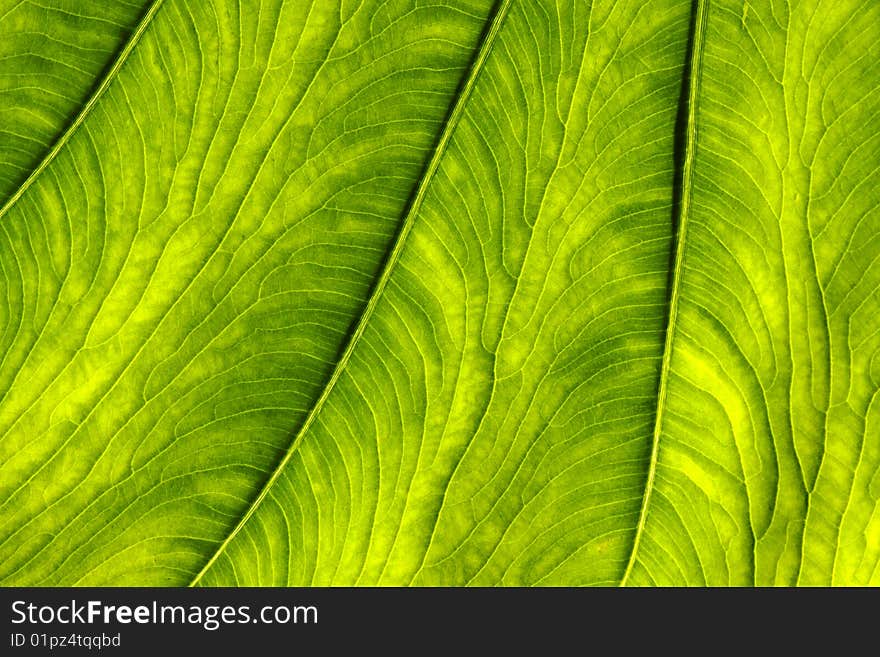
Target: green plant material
50	56
517	292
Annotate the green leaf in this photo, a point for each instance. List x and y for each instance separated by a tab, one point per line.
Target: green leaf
767	452
383	292
50	57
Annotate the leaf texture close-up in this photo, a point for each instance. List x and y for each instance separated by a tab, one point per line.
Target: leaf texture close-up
439	292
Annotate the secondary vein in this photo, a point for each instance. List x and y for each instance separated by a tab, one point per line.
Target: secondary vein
382	281
108	78
696	59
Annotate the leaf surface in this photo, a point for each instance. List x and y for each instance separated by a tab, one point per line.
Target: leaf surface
179	279
484	293
769	455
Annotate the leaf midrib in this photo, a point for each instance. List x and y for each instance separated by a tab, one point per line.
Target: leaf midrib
466	88
694	78
106	81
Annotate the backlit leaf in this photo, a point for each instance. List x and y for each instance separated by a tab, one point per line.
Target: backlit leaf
463	292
